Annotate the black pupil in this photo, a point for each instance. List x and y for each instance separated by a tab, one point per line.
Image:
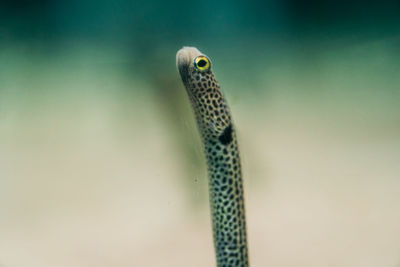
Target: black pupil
201	63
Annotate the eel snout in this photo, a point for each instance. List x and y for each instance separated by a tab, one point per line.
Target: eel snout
184	59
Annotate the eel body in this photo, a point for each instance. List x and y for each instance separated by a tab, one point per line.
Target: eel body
216	128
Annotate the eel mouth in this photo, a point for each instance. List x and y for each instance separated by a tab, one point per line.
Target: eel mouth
184	58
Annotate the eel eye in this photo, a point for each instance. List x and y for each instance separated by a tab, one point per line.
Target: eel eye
202	63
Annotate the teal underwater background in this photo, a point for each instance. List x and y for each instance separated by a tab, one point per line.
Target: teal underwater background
101	163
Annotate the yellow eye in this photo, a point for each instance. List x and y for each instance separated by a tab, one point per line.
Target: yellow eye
202	63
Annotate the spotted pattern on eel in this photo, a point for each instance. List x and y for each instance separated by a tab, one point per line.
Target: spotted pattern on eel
215	125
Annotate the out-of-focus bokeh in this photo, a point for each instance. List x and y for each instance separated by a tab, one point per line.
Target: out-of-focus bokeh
100	159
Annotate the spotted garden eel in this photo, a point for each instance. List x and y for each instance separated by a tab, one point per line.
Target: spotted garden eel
214	122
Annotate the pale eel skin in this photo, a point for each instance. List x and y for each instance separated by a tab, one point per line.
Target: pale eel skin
214	122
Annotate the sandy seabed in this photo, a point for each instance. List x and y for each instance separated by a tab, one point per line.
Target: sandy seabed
81	186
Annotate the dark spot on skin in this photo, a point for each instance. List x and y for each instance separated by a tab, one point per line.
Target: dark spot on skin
226	137
214	104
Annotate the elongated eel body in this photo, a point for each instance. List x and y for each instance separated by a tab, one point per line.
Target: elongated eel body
214	122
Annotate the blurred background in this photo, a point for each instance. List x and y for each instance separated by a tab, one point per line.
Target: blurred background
101	163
